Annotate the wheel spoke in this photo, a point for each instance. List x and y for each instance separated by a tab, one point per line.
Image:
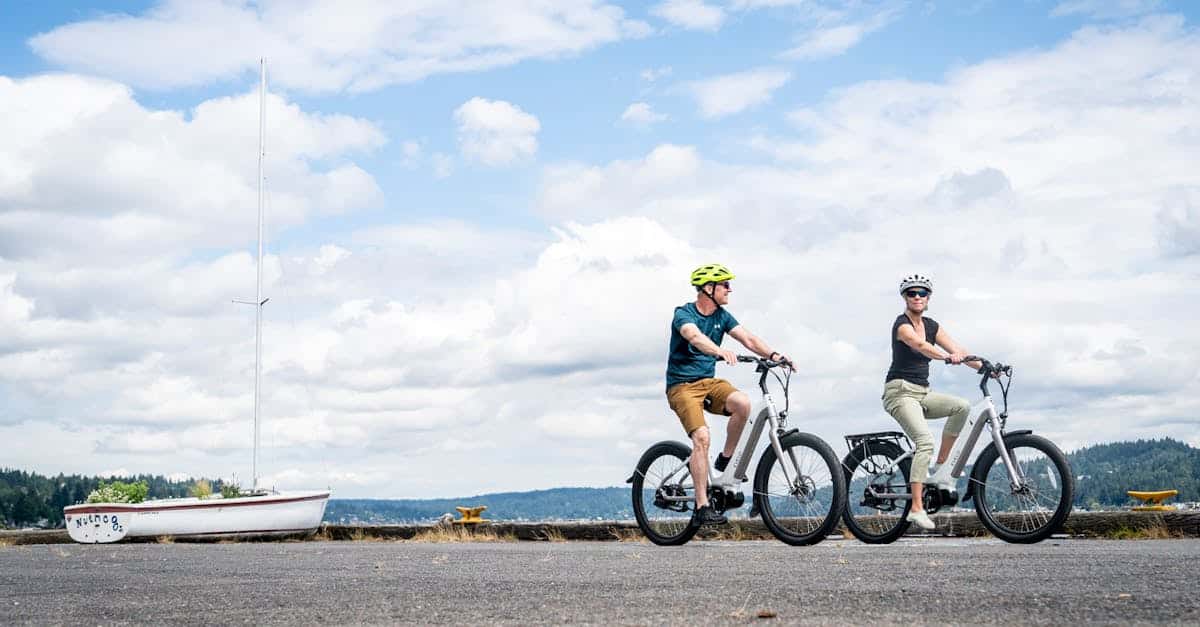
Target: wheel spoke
872	518
1029	508
665	520
798	503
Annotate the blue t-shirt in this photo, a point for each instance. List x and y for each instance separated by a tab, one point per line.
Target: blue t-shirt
684	362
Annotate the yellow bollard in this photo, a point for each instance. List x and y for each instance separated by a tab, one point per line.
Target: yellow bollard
470	515
1153	500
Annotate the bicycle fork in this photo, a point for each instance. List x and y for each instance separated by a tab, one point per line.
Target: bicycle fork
776	433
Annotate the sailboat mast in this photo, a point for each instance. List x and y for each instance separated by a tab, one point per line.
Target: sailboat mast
258	299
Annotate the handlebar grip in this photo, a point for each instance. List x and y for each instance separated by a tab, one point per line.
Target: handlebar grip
747	359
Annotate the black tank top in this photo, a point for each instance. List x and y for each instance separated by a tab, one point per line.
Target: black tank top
907	363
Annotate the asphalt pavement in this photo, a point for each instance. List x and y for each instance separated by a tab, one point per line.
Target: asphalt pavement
914	581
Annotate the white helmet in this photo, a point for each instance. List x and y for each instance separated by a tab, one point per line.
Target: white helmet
915	280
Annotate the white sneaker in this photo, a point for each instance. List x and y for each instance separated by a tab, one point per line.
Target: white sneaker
921	519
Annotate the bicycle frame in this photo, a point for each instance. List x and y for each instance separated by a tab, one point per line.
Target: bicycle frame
982	413
739	463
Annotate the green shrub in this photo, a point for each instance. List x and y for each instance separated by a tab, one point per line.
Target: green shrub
119	492
202	489
230	490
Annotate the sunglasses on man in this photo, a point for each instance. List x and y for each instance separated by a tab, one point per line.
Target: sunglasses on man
917	293
724	284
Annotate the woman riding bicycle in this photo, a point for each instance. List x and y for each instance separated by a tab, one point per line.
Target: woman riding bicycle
696	333
915	340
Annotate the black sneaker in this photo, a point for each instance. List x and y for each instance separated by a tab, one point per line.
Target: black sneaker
706	515
721	462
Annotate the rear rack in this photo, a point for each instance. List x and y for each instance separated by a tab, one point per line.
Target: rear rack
860	440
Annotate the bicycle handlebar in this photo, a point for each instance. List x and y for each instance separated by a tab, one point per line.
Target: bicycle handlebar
987	367
768	363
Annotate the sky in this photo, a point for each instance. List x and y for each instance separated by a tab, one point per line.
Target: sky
480	216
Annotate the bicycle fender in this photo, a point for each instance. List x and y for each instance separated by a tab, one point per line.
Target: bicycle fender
991	445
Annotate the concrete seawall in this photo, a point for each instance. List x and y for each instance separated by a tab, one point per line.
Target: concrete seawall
961	524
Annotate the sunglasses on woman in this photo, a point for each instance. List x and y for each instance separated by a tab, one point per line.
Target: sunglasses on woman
917	293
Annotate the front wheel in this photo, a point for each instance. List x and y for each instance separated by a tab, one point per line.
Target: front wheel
1029	512
664	495
802	494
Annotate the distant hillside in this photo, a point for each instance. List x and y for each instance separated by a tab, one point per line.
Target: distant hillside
1105	471
553	504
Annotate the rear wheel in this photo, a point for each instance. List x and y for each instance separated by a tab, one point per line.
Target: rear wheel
664	495
1030	512
872	514
800	496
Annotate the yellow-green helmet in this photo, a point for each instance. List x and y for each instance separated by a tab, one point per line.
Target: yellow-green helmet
711	273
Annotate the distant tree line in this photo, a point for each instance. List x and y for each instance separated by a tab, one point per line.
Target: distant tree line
29	499
1104	472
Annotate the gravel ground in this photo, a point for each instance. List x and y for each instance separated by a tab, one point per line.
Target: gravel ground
939	581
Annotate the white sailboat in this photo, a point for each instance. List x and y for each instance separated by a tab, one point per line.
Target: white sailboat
261	512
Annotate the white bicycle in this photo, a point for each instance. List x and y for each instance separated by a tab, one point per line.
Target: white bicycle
1021	483
798	488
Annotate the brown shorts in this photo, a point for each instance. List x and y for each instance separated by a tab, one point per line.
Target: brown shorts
688	401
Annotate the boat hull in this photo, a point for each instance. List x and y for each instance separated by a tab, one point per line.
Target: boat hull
271	514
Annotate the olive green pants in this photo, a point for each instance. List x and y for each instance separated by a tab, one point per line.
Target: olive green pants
911	405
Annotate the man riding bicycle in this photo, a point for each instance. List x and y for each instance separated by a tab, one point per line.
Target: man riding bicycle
696	334
915	340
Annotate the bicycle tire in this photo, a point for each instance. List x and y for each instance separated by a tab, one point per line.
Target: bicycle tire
880	527
662	526
997	510
818	505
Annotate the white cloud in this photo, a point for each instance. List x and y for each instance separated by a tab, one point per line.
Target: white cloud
322	45
415	155
443	165
691	14
763	4
1179	222
124	178
1106	9
732	93
833	39
495	132
412	152
653	74
642	114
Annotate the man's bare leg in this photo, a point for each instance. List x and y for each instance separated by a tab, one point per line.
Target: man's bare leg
699	465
